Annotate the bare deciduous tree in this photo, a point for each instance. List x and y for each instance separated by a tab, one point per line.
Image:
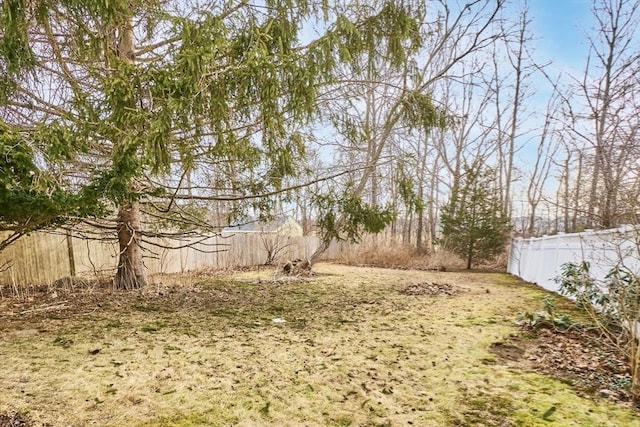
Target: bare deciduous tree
608	90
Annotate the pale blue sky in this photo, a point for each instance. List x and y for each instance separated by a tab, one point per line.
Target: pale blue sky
560	28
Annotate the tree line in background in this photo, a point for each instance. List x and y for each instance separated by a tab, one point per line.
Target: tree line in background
565	164
128	120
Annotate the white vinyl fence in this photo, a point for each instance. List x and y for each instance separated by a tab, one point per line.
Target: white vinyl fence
538	260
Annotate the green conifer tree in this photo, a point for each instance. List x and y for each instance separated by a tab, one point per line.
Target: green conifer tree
119	102
474	224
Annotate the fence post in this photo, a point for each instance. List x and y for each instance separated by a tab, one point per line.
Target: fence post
72	259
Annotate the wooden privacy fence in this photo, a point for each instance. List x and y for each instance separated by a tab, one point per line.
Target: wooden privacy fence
538	260
41	258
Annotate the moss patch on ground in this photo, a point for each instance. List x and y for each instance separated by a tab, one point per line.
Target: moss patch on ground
347	347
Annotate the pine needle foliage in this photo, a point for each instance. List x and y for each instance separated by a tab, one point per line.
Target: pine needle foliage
115	102
197	85
474	224
346	216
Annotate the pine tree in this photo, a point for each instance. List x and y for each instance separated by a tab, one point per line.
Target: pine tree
474	223
122	102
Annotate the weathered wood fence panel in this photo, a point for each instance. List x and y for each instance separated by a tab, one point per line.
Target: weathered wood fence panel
538	260
33	260
41	258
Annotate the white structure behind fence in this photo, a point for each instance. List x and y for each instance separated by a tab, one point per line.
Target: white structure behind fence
538	260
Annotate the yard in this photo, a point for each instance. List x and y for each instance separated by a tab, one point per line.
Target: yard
348	346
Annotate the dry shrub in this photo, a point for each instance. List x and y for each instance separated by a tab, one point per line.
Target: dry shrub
386	256
373	254
396	256
499	262
442	259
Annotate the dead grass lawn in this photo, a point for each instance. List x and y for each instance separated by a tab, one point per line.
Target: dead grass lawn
348	347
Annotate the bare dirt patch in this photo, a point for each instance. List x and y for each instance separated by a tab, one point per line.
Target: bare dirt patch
578	356
507	351
584	359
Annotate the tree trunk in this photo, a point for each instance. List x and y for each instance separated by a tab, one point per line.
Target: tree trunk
593	192
531	229
374	201
470	255
577	194
318	252
406	240
131	272
419	227
432	206
566	198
